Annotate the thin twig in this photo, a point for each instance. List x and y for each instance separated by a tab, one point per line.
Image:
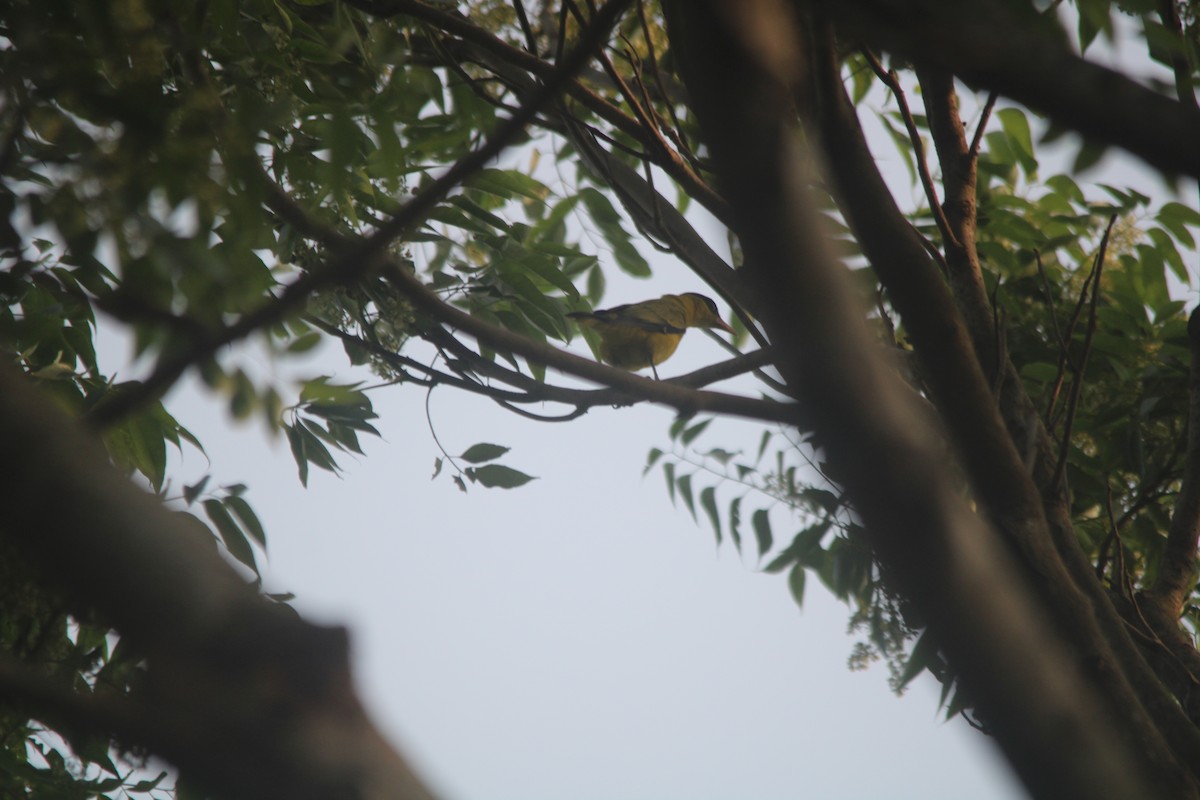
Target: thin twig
1058	337
890	80
977	139
1064	356
530	39
675	129
1064	446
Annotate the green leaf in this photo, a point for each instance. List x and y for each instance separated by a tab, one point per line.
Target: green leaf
321	390
302	344
628	258
609	221
190	493
708	502
231	534
763	441
1016	126
479	453
244	398
477	211
316	452
652	459
735	521
245	514
508	183
549	271
684	485
1185	214
498	477
137	443
669	473
761	522
903	145
296	441
691	433
796	584
922	656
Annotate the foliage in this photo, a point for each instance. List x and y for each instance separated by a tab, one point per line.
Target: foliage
193	173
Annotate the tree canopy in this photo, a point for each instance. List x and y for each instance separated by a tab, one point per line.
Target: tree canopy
978	387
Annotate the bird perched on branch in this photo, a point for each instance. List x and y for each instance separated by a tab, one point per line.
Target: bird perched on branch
645	334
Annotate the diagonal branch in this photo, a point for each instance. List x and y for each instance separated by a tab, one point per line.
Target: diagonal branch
356	260
1060	467
951	563
889	79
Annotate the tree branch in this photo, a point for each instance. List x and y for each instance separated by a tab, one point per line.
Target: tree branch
1060	467
1013	50
356	260
240	692
999	473
684	400
914	136
951	563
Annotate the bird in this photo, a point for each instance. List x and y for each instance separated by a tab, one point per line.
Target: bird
640	335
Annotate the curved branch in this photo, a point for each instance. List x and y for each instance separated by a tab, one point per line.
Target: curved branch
1009	48
685	400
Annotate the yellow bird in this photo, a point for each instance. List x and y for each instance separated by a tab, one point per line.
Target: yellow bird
645	334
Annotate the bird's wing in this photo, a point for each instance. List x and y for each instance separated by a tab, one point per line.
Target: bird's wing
668	314
634	317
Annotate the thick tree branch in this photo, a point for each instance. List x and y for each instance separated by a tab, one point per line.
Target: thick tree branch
999	472
241	693
949	561
1010	48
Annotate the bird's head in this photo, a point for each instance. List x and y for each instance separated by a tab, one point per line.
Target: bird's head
703	312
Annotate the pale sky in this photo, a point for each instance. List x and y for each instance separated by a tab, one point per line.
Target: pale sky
578	637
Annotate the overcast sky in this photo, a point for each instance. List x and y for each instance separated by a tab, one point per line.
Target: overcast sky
577	637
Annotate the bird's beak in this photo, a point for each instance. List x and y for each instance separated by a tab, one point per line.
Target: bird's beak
723	325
